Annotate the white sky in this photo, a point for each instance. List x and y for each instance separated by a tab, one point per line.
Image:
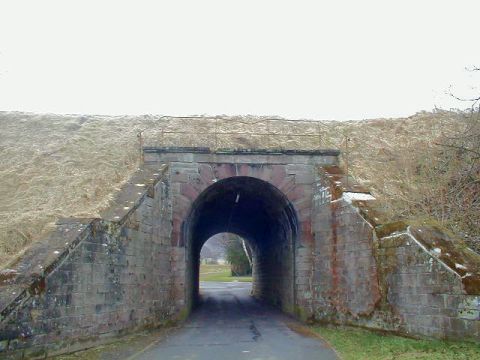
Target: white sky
298	59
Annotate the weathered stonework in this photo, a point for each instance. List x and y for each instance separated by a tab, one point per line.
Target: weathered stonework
93	279
321	252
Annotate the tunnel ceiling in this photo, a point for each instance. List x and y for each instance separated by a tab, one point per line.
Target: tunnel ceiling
249	207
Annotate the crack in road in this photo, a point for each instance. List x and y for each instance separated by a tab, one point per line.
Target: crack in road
254	330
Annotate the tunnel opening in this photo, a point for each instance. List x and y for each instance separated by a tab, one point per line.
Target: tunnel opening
225	257
261	214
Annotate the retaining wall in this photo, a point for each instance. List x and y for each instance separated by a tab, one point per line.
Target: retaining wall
93	279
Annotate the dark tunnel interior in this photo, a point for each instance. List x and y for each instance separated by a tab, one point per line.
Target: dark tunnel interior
262	215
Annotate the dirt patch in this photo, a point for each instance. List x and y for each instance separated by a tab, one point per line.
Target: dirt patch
302	330
308	332
127	347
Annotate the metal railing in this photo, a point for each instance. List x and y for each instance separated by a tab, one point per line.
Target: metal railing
231	132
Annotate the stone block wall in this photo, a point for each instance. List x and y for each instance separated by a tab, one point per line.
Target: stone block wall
345	271
411	279
273	274
92	279
106	278
279	271
426	295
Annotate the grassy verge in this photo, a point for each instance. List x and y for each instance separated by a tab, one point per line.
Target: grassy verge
220	273
359	344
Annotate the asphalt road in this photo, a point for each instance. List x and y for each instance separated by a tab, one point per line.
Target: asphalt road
230	324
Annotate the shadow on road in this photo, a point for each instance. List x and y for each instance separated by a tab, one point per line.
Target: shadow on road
231	324
227	324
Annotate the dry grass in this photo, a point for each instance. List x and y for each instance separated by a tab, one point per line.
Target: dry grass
53	166
71	165
360	344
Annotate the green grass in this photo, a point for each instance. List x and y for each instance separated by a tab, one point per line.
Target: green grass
359	344
220	273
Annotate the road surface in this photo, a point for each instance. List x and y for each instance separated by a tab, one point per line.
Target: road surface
230	324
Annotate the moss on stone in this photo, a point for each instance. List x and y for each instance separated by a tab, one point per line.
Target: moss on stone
339	182
371	212
387	264
453	252
389	228
300	313
182	315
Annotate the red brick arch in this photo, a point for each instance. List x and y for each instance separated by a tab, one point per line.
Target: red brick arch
294	181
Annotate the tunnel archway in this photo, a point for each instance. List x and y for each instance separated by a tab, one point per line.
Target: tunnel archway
261	214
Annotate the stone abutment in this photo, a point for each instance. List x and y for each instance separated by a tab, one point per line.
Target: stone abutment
322	251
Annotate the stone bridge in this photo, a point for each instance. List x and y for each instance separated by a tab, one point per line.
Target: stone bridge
322	251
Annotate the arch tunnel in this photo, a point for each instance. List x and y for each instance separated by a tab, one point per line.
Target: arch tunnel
262	215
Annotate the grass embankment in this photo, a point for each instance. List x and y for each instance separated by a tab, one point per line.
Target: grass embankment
220	273
54	166
359	344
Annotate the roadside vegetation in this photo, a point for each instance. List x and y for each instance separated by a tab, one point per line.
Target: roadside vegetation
220	273
429	178
359	344
239	255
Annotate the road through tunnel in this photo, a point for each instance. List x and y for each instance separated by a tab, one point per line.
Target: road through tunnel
262	215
